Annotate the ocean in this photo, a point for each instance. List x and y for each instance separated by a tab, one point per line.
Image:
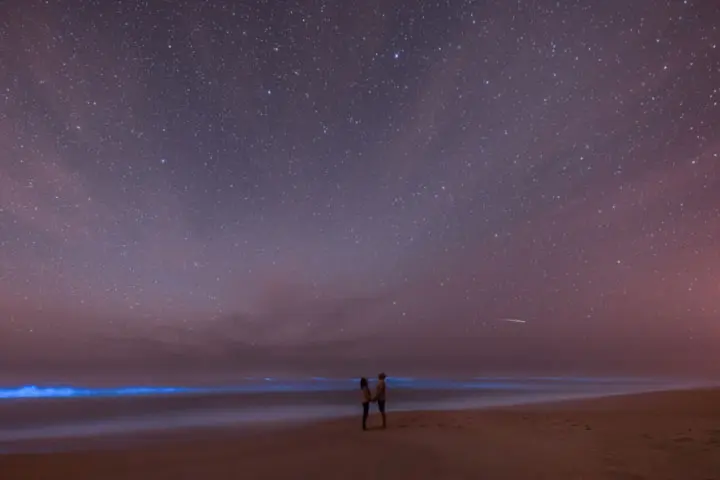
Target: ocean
54	416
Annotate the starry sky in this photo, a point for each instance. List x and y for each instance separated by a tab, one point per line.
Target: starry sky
338	182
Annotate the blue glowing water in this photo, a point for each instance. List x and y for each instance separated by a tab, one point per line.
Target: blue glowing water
315	384
35	391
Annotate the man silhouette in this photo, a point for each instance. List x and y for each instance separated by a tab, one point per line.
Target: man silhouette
380	397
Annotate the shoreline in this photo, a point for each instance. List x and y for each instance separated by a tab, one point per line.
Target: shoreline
122	425
669	434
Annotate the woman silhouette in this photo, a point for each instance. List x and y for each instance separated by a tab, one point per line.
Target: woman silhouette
366	398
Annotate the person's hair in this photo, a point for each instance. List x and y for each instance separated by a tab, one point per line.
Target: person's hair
363	382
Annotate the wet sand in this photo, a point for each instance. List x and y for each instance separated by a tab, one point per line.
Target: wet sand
667	435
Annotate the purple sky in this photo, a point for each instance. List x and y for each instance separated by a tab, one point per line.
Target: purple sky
330	185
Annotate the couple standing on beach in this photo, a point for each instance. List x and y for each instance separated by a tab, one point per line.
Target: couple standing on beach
368	397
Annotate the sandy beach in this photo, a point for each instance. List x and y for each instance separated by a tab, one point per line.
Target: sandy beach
668	435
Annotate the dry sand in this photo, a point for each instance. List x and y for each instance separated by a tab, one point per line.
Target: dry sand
670	435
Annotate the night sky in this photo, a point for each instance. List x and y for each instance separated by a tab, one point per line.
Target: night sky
300	184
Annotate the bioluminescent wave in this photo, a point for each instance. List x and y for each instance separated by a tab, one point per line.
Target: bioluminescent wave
271	385
34	391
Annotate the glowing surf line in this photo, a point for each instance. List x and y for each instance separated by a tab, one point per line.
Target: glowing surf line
49	392
316	384
34	391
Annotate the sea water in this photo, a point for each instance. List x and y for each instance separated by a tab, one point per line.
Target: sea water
52	413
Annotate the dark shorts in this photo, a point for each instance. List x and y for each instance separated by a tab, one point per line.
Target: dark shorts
381	406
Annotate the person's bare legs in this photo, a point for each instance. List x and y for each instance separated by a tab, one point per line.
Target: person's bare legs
366	410
381	407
